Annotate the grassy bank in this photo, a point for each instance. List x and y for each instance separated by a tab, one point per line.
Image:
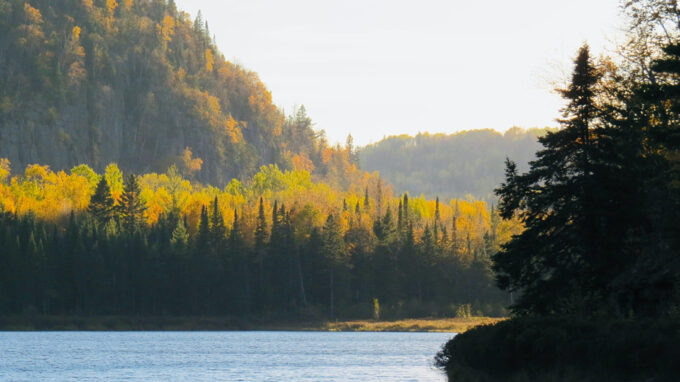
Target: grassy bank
120	323
565	349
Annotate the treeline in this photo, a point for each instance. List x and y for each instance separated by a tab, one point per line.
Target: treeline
451	166
139	83
278	246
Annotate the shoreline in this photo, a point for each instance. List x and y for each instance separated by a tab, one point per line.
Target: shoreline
132	323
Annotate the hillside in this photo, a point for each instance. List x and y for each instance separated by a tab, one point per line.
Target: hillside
450	166
137	82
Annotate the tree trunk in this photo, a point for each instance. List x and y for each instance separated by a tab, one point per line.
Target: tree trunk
332	296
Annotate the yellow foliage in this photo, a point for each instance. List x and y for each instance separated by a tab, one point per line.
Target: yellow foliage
209	60
51	196
33	15
5	169
168	28
88	4
191	164
36	172
127	4
233	131
326	155
301	162
111	6
75	33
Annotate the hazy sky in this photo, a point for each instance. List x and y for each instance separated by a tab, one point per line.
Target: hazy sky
382	67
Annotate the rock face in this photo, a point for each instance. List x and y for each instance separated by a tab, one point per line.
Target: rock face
134	82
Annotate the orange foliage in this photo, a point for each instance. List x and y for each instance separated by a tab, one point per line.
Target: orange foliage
111	6
233	130
167	28
209	60
192	165
301	162
33	15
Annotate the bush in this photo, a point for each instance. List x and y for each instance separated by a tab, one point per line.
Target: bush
565	349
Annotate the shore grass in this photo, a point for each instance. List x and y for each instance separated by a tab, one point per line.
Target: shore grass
454	325
132	323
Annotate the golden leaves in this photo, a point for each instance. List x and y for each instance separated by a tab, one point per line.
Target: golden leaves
167	28
192	165
209	60
111	6
301	162
75	33
33	15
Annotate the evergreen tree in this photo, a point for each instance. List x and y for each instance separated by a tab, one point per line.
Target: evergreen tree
333	248
101	203
131	208
180	236
217	230
554	261
203	237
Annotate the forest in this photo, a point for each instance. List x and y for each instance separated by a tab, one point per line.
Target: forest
450	165
277	246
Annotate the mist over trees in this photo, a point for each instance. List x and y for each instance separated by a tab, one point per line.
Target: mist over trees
450	166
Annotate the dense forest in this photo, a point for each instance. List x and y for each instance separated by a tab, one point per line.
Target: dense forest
600	209
138	83
278	245
450	166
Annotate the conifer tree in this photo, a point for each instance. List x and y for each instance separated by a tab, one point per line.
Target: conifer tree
333	248
554	261
101	203
180	236
203	237
131	207
217	230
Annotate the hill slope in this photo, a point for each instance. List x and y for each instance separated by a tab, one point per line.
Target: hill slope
135	82
450	166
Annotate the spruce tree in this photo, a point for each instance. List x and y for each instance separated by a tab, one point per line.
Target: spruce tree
131	208
333	248
217	230
553	262
101	203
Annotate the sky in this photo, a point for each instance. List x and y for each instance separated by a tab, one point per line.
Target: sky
374	68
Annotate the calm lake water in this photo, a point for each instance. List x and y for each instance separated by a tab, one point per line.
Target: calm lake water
219	356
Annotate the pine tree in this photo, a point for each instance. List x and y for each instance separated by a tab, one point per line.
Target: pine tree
260	230
101	203
553	261
180	236
131	207
333	248
203	237
217	230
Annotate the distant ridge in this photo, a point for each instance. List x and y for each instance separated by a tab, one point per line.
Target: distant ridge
450	166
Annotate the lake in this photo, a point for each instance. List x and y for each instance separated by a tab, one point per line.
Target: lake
219	356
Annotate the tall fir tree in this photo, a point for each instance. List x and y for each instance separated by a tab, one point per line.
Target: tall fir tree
131	208
554	262
101	203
